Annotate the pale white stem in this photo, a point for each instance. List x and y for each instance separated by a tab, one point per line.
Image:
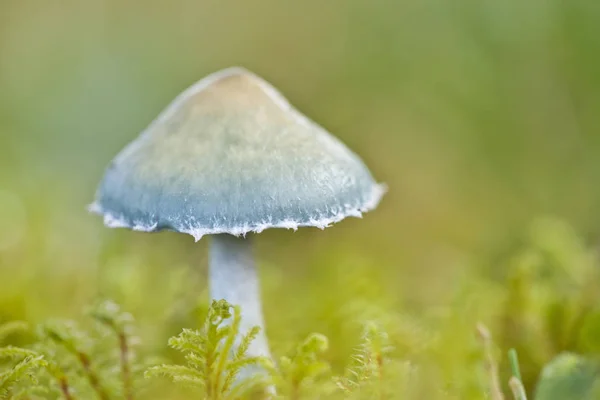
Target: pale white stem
233	277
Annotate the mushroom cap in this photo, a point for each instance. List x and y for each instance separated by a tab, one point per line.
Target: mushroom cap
231	155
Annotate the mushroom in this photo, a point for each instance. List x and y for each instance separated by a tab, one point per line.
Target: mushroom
228	157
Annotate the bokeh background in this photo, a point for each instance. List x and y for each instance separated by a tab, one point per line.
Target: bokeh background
481	116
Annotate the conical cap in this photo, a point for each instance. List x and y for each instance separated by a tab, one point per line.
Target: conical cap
231	155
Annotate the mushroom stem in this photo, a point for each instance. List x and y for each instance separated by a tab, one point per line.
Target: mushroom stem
233	277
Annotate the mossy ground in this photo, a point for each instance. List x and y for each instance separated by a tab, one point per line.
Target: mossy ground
545	307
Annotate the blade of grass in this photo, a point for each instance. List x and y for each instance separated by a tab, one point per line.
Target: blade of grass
514	364
517	389
491	365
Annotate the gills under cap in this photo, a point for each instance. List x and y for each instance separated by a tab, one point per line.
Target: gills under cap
231	155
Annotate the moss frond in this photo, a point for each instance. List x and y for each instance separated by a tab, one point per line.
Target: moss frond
25	369
215	356
300	371
70	362
179	374
366	370
14	353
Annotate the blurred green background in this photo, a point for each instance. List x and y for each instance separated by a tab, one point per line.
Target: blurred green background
481	116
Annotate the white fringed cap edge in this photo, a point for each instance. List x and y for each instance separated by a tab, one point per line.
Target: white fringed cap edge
113	221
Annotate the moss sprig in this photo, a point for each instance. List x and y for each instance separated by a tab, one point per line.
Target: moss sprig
213	360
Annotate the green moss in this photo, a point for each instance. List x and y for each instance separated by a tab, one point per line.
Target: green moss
543	301
213	364
70	362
